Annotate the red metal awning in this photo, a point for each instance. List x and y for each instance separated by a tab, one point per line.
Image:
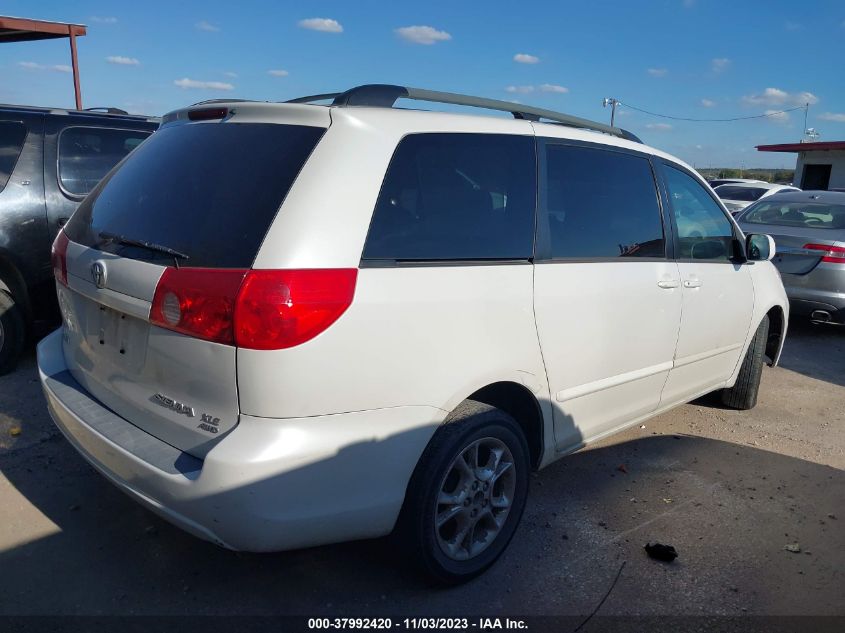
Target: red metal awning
821	146
26	30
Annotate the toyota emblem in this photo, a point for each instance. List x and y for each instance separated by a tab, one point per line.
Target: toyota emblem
98	274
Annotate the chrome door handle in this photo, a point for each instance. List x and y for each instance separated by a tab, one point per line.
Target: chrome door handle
692	283
669	283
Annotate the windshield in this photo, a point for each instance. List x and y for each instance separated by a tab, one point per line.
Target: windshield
809	215
746	194
207	190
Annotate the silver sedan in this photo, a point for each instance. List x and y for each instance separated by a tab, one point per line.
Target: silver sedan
809	230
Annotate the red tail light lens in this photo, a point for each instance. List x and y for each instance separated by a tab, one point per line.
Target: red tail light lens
833	254
277	309
198	301
58	256
255	309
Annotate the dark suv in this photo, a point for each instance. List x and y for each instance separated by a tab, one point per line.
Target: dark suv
49	160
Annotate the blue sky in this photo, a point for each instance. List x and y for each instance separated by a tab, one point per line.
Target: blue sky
690	58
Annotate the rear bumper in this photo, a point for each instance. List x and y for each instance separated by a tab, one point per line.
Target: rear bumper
269	484
804	300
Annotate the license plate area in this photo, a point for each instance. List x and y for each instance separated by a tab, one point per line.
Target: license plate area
116	337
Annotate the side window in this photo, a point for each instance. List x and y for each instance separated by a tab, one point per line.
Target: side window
456	197
12	136
86	154
601	203
704	232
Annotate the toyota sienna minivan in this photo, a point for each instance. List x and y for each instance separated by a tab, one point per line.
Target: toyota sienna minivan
291	324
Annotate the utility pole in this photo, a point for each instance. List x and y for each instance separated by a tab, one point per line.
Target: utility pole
610	101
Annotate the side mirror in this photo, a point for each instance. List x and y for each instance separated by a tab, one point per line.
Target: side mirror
759	247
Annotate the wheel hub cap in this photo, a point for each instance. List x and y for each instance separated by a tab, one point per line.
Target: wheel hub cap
474	498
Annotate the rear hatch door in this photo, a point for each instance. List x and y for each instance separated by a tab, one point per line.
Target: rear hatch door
196	195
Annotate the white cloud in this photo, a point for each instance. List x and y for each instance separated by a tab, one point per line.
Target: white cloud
525	58
553	88
839	117
793	26
720	64
422	34
326	25
203	25
657	72
778	97
707	103
777	116
203	85
278	73
229	73
660	127
519	89
62	68
103	19
122	61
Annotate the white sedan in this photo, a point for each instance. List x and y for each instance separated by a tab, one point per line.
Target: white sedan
738	196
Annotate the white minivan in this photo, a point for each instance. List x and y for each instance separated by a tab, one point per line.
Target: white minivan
290	324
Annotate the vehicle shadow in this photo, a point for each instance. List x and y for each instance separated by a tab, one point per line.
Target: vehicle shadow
728	509
815	350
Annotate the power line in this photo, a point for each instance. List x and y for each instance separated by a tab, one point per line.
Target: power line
738	118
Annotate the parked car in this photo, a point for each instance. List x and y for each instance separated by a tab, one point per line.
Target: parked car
49	160
809	230
738	196
286	325
731	181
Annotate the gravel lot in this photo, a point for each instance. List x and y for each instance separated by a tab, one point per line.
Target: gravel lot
729	490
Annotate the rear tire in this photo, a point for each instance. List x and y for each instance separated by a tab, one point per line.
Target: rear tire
743	395
12	333
467	494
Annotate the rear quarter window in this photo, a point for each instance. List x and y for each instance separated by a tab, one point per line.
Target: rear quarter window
12	137
454	196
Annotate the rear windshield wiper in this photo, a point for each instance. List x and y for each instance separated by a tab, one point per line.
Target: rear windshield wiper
150	246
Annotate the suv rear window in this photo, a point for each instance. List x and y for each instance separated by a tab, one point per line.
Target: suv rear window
744	194
208	190
86	154
12	136
456	197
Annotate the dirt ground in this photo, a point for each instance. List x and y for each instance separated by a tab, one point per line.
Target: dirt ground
728	489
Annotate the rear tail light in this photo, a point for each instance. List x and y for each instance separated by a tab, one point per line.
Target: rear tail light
255	309
832	254
59	257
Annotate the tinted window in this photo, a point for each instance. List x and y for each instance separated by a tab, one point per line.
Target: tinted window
87	154
209	190
601	203
806	215
456	196
746	194
12	135
704	232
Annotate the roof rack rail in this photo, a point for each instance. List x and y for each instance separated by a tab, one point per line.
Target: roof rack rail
386	95
106	110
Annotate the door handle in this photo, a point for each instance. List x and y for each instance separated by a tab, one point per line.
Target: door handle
692	283
669	283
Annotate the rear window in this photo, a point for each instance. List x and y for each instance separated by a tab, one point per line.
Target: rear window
807	215
456	197
12	136
745	194
208	190
86	154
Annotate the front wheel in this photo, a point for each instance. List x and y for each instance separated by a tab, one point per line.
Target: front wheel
467	494
743	395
